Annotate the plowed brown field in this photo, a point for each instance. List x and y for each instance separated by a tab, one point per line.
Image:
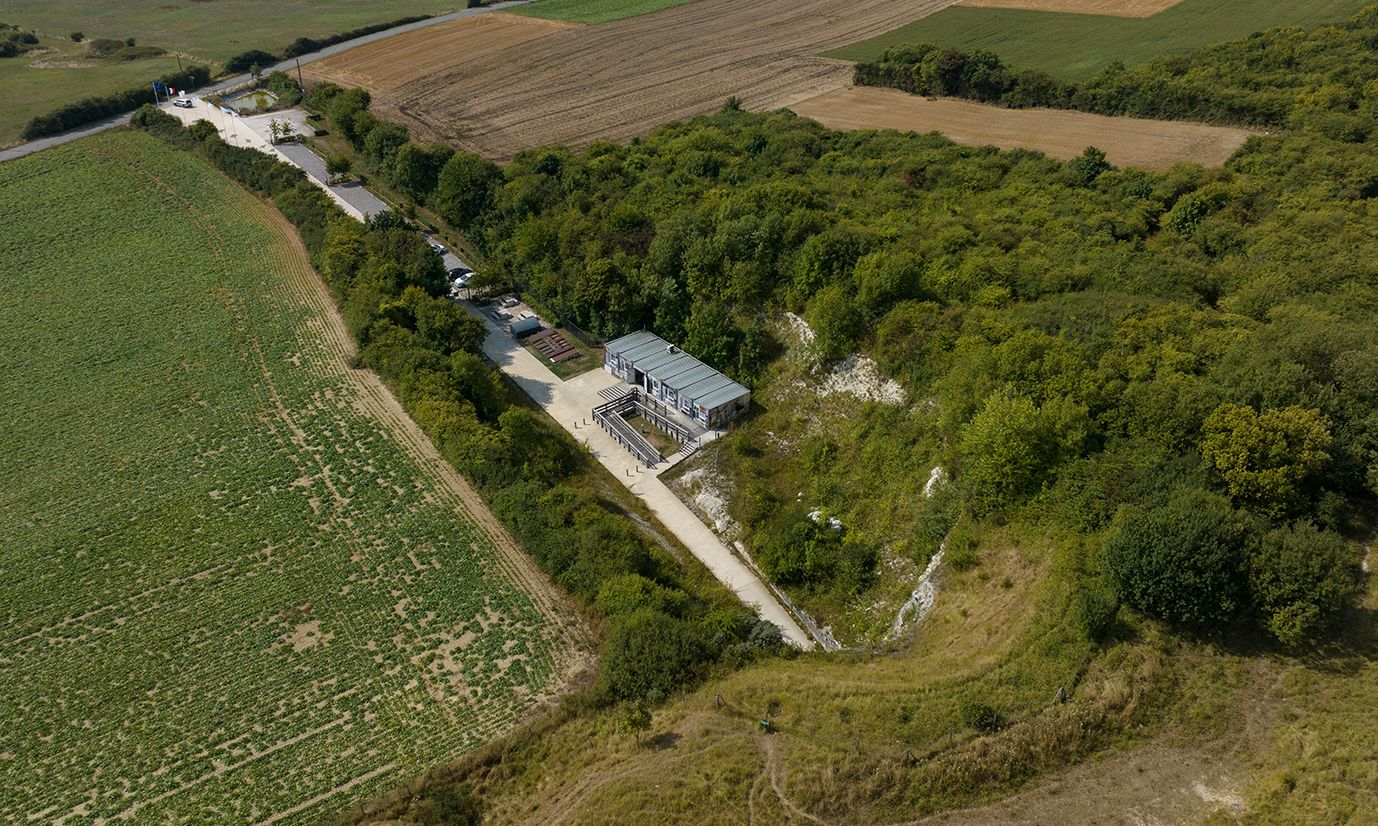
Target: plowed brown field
616	80
1109	8
389	63
1147	144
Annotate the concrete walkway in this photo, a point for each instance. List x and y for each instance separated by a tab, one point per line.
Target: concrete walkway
253	132
570	403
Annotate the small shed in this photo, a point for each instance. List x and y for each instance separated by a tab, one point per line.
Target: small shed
668	373
526	325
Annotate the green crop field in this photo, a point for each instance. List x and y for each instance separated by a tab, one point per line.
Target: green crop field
1077	46
230	594
595	11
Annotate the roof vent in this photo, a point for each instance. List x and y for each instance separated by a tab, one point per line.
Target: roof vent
670	348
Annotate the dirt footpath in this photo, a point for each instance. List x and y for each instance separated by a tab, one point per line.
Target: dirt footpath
622	79
1148	144
1109	8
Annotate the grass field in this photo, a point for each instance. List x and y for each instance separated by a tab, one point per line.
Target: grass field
595	11
199	31
232	593
1076	46
211	31
34	85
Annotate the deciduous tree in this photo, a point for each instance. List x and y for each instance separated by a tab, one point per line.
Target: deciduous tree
1264	457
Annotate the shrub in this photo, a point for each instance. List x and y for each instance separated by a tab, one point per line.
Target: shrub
76	37
306	45
450	807
103	47
130	53
242	62
1092	612
649	652
978	714
1301	580
961	552
94	108
1181	562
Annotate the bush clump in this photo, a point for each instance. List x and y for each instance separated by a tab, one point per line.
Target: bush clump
92	109
103	47
244	61
306	45
16	42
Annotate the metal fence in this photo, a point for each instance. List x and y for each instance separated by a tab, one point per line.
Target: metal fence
609	417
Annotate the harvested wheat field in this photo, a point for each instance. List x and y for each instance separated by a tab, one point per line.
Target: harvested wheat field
394	61
1109	8
617	80
1147	144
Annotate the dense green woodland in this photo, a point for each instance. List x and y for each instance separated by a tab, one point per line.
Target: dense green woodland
1181	367
1108	349
390	287
1324	80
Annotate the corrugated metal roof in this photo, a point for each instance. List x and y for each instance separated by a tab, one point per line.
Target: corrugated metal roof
726	395
690	377
686	375
707	385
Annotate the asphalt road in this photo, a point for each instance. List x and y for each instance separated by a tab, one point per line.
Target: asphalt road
286	66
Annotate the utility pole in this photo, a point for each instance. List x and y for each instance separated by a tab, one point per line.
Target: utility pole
179	65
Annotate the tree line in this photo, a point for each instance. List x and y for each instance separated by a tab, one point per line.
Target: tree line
1108	347
1320	80
94	108
391	291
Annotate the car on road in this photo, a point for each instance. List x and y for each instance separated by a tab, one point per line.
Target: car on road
183	103
458	272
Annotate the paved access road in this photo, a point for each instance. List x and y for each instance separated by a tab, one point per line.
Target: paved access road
571	403
229	83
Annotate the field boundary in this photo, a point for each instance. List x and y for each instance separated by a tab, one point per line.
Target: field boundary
1059	133
572	658
1075	47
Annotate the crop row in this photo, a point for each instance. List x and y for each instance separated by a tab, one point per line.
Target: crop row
227	578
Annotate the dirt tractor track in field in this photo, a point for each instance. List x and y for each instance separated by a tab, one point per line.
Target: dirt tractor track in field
617	80
499	83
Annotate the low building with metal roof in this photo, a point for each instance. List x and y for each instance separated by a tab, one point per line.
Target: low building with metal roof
668	373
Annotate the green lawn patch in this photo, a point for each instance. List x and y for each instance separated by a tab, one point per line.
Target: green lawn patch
595	11
200	32
1077	46
225	584
34	86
